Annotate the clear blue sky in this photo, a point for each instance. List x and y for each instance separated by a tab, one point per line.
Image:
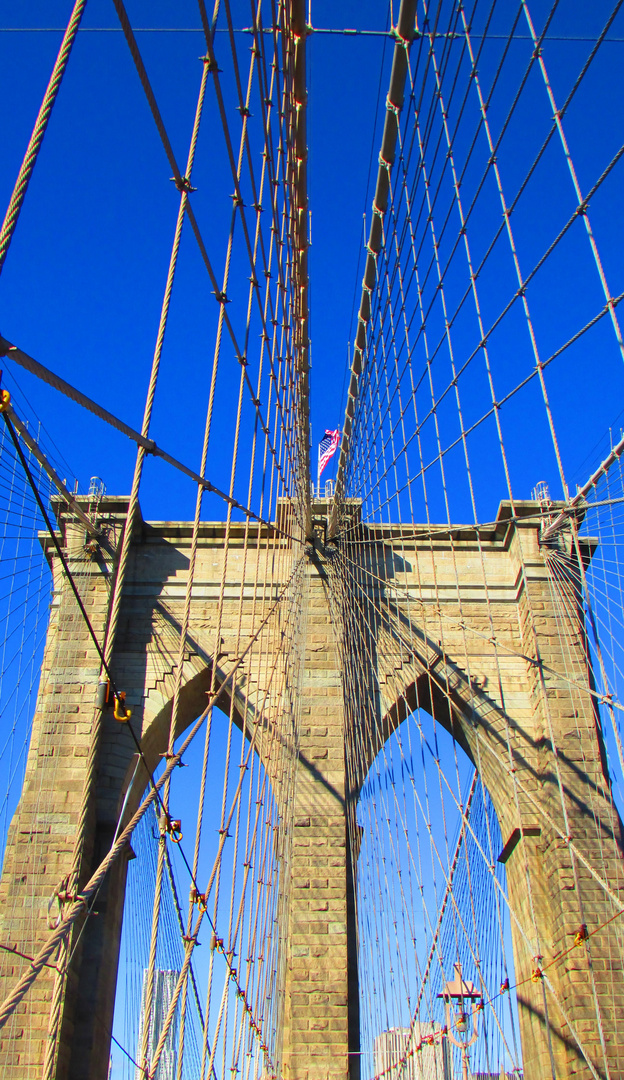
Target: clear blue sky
83	282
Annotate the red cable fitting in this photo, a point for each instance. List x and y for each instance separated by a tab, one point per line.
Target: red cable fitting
66	897
200	899
174	829
581	935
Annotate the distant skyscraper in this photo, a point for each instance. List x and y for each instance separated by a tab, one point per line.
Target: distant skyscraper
164	985
429	1063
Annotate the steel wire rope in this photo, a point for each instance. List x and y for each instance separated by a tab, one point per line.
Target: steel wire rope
568	581
46	741
52	451
244	109
266	911
455	903
366	198
217	639
574	684
231	938
384	361
521	283
441	910
388	772
528	277
21	987
239	634
289	781
181	928
211	882
456	906
489	412
148	445
434	864
497	174
430	112
395	848
190	579
19	628
441	686
391	204
454	798
560	592
233	934
347	32
266	578
182	183
39	130
435	244
98	648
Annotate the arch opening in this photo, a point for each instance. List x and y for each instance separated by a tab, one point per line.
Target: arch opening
241	861
426	818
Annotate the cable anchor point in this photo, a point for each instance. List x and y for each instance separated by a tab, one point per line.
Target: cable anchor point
120	712
174	831
170	757
201	899
211	64
581	935
183	184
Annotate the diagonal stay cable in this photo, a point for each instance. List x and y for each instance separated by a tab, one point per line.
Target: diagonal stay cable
57	936
258	247
49	377
154	787
70	577
38	453
155	792
183	185
257	203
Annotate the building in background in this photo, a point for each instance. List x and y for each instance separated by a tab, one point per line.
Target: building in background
431	1062
164	986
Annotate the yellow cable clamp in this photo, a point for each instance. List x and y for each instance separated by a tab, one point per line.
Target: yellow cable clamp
174	828
120	712
5	400
200	899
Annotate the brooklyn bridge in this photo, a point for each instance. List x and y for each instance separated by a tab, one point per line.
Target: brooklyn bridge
311	757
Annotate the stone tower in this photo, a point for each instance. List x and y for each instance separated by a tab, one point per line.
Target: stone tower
534	736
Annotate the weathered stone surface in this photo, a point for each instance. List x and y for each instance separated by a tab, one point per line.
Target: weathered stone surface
432	612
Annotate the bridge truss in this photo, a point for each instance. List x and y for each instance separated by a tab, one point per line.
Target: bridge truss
487	353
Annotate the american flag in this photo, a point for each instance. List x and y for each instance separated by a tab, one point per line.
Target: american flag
327	448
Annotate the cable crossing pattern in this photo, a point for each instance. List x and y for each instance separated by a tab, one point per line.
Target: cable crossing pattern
325	787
